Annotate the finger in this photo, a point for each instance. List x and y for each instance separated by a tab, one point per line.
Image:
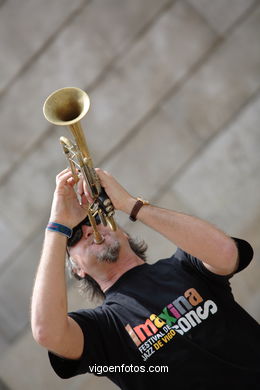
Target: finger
101	172
86	193
84	201
80	186
63	177
62	172
103	175
71	181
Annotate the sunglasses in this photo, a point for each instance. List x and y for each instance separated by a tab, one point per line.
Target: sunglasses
77	232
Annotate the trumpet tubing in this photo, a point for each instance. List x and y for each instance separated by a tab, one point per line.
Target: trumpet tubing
66	107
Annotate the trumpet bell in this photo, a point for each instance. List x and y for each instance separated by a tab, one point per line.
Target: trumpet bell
66	106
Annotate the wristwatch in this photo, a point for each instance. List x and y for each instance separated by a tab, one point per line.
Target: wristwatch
139	203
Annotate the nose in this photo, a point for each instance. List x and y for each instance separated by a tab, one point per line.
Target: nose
87	230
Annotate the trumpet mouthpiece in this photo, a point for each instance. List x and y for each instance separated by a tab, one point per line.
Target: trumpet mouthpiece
99	240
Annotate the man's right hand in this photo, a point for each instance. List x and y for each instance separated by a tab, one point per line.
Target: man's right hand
66	208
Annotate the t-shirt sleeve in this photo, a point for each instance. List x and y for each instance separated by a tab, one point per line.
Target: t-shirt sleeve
91	324
245	255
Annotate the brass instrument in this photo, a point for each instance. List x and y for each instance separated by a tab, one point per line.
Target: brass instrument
66	107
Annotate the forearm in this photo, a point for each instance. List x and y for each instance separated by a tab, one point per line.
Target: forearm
49	299
195	236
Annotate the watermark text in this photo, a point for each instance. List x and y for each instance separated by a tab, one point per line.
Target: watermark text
124	368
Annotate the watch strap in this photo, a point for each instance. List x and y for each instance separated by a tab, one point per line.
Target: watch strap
138	204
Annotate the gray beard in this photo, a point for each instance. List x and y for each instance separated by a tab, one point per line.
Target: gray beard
110	254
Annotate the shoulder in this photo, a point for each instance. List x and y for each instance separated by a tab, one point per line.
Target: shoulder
244	257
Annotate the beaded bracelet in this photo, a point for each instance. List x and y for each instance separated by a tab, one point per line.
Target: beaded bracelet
57	227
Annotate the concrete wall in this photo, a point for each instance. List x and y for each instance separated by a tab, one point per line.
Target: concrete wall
174	89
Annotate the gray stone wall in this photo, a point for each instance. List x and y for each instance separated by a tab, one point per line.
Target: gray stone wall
175	102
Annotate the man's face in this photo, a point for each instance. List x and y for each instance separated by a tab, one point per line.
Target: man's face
86	253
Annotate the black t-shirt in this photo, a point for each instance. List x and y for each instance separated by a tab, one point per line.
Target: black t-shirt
173	313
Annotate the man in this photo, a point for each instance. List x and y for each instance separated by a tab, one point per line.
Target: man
178	312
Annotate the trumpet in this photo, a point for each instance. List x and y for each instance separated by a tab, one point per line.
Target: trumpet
66	107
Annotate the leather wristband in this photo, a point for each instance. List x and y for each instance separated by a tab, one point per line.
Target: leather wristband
139	203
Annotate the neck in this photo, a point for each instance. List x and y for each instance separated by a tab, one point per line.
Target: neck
109	273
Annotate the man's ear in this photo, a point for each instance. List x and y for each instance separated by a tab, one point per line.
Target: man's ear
80	272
